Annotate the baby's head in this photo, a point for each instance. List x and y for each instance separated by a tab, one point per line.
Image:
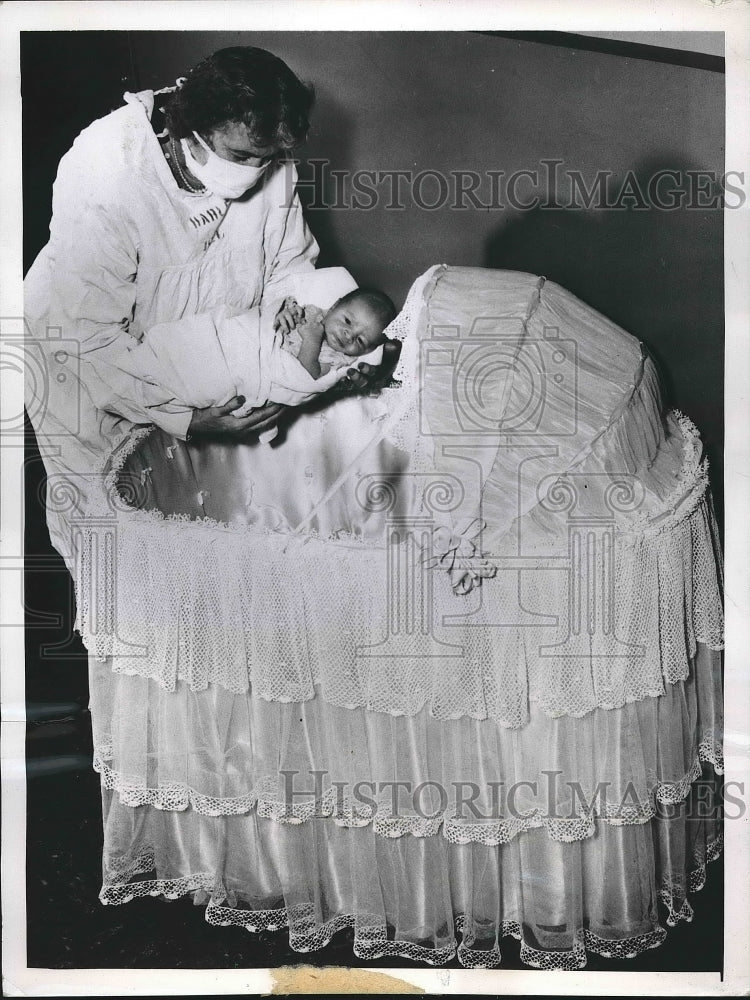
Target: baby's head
354	325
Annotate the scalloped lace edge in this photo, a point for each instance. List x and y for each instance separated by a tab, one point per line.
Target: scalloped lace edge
179	797
371	942
418	706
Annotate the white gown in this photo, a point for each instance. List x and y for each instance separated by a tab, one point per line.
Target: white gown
129	249
441	665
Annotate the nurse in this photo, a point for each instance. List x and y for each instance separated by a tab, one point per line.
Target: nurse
178	202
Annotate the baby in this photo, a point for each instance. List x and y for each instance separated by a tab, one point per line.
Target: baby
291	357
324	339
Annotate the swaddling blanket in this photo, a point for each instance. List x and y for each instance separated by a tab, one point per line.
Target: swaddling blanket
206	360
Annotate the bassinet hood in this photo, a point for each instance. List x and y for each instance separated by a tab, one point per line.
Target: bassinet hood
517	383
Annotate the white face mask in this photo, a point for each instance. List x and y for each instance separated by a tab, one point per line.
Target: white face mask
223	177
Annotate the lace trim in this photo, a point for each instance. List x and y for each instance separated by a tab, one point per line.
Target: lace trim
692	480
347	812
673	892
703	621
405	324
306	934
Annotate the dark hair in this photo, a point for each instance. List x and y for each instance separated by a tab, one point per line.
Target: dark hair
242	84
378	301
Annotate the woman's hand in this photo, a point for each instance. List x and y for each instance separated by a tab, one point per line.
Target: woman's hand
218	421
366	377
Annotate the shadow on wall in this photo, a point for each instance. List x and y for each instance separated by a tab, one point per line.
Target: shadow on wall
317	189
622	261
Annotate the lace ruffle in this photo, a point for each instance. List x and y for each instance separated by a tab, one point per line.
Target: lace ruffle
307	932
348	813
228	606
222	754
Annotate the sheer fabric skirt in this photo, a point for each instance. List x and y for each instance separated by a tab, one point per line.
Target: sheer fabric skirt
430	838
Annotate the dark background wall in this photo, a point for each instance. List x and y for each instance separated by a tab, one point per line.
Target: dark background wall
443	101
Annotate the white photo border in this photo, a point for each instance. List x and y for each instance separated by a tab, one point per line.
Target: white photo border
729	16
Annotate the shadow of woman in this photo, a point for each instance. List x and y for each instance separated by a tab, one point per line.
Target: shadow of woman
327	147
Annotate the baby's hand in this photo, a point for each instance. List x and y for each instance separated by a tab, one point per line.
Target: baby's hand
312	328
312	314
288	316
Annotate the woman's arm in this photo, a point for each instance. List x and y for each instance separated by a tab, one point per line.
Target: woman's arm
84	283
289	246
219	420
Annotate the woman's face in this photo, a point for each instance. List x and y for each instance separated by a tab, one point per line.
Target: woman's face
233	142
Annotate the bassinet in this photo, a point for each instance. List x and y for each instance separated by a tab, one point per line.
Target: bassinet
442	665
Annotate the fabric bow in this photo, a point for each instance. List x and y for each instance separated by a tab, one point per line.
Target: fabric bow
457	553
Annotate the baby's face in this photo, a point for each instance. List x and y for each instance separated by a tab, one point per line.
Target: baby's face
352	328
